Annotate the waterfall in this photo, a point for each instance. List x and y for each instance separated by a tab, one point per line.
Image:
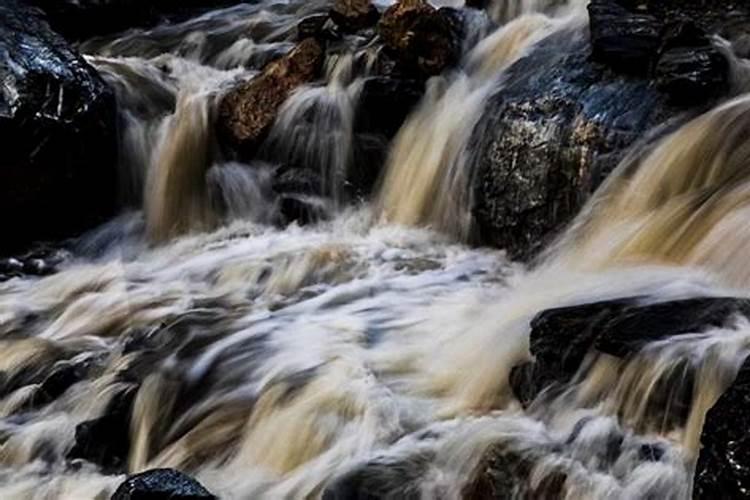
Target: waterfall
376	346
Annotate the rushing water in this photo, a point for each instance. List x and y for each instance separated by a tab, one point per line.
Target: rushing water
276	360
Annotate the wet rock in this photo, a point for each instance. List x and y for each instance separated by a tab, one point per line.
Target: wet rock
723	468
57	120
318	26
161	484
691	68
504	473
561	338
421	38
43	260
247	112
354	15
385	103
550	136
382	479
622	39
105	441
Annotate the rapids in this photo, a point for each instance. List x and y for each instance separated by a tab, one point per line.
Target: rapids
271	361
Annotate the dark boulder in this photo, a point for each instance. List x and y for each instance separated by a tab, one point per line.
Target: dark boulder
105	441
561	338
247	112
161	484
690	67
354	15
57	120
549	137
421	38
723	468
623	39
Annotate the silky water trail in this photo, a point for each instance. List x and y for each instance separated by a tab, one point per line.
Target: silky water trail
270	362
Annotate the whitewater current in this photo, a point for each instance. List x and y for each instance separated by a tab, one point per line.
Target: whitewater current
269	361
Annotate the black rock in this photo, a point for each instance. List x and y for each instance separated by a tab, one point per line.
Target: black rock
382	480
548	138
161	484
384	104
692	74
623	39
561	338
723	468
57	120
105	441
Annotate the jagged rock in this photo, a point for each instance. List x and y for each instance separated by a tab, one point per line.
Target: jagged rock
247	112
57	120
161	484
723	468
354	15
623	39
421	38
105	441
561	338
691	68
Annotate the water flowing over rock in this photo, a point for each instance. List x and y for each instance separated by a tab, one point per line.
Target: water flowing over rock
161	484
57	122
292	304
247	112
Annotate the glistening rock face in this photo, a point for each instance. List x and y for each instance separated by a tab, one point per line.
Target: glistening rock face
57	121
161	484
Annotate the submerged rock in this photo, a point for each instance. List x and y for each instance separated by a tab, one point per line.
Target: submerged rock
421	38
57	120
561	338
247	112
723	468
161	484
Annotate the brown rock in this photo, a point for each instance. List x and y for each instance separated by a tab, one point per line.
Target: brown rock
247	112
354	15
421	37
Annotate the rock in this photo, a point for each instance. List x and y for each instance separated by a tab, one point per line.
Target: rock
561	338
723	468
247	112
105	441
382	479
421	38
318	26
161	484
385	103
57	120
548	138
354	15
691	68
623	39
